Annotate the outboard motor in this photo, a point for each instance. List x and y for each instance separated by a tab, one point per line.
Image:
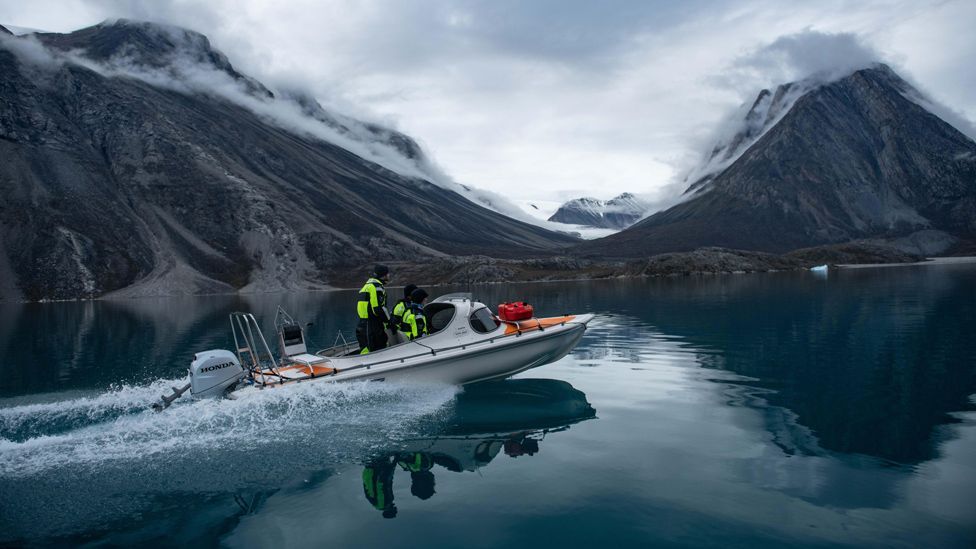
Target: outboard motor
212	373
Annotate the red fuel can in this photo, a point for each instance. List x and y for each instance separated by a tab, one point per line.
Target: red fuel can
516	310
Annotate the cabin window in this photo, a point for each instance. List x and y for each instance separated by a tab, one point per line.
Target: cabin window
438	315
482	321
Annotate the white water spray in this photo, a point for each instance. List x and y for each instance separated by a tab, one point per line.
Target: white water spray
117	426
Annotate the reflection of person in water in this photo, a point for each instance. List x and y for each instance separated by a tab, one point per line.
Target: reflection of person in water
378	474
421	478
378	485
378	479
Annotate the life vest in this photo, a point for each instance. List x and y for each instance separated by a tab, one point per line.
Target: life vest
399	310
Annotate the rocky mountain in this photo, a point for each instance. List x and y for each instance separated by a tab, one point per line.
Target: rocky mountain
855	158
138	160
764	112
617	213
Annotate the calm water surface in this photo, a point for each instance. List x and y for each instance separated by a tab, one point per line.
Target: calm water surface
749	410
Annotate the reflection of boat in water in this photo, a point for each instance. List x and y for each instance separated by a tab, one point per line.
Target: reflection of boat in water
517	404
511	417
467	343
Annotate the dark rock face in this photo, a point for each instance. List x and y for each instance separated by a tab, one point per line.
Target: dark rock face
856	252
852	159
703	261
717	261
616	213
112	184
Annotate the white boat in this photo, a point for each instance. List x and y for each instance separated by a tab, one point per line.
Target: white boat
467	343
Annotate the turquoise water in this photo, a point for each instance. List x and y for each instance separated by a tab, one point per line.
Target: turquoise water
743	410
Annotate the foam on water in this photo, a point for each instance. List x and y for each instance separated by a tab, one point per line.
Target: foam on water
117	426
20	421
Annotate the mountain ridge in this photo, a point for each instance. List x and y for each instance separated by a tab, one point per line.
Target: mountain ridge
617	213
152	45
851	159
119	186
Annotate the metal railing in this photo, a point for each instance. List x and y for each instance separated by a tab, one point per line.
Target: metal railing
255	353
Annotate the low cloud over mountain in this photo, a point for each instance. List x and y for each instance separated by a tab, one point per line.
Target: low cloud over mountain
137	158
820	162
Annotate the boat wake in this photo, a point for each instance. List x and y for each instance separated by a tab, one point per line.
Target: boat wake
20	422
316	421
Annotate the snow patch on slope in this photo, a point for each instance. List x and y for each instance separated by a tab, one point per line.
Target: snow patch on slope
20	31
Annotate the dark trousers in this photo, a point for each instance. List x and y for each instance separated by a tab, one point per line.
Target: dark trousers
371	334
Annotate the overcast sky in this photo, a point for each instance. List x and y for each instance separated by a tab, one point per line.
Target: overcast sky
549	100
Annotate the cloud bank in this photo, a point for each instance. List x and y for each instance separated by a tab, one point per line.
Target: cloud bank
188	70
771	79
553	100
809	55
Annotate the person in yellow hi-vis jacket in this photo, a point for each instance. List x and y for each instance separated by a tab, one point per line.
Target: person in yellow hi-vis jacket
414	319
397	324
373	316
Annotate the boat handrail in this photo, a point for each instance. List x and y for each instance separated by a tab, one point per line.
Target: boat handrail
247	325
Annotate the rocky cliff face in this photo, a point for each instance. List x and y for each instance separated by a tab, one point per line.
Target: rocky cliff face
855	158
119	176
617	213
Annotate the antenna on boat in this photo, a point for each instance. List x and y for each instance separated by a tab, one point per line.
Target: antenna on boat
282	318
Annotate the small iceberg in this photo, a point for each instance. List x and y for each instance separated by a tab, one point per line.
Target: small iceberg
819	269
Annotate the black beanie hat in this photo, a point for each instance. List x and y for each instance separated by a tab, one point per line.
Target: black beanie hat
418	295
408	289
380	270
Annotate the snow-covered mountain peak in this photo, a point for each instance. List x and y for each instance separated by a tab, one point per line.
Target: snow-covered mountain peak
617	213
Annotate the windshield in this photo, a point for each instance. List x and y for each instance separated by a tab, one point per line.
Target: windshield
438	315
482	321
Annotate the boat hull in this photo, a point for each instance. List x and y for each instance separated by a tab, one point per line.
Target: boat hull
470	361
463	366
